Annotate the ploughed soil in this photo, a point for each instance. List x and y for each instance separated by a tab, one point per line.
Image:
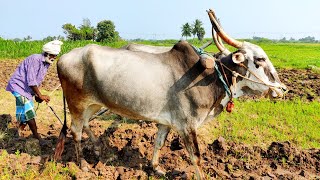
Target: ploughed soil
126	148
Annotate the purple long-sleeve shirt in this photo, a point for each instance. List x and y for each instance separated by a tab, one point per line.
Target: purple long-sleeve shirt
30	72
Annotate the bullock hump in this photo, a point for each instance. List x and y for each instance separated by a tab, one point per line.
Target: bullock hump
184	51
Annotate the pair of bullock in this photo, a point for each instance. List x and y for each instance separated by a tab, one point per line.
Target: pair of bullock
169	87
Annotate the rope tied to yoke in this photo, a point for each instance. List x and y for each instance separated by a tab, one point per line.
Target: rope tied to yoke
224	80
201	52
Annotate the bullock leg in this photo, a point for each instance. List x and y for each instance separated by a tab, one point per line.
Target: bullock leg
76	131
91	110
161	137
189	137
80	121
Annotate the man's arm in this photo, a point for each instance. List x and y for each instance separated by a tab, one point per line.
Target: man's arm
38	93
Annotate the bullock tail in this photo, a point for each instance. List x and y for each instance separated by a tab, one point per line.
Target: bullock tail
62	136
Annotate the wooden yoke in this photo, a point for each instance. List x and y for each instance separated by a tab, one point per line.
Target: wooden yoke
207	61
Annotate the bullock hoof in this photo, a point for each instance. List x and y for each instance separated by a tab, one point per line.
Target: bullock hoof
84	165
159	171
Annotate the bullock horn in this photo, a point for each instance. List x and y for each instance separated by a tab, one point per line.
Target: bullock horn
229	40
220	40
217	40
219	44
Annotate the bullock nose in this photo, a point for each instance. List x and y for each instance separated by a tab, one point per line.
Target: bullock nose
284	88
280	91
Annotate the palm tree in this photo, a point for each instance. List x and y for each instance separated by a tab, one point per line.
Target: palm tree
198	29
201	33
186	30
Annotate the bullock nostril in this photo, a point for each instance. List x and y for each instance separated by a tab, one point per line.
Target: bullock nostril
284	88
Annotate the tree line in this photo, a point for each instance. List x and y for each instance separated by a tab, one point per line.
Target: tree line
105	32
194	29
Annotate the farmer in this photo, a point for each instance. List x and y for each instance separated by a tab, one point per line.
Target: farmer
25	82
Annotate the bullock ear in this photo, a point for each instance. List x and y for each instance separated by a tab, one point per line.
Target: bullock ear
238	57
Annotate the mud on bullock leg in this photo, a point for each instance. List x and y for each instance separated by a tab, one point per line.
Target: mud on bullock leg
76	131
87	114
80	115
161	137
94	139
189	137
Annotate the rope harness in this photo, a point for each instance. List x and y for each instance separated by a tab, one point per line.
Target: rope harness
223	78
261	81
225	85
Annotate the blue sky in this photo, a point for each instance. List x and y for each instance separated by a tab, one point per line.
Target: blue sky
151	19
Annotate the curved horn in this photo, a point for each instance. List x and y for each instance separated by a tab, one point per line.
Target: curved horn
216	41
219	44
219	40
233	42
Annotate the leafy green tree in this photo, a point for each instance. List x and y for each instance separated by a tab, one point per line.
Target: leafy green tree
106	32
71	31
84	32
87	31
198	30
186	30
201	33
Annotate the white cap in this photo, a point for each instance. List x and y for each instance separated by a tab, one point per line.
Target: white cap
52	47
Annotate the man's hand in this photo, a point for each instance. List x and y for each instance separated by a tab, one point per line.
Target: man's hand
38	99
39	95
45	98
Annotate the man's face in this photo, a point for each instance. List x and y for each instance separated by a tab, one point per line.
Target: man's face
50	58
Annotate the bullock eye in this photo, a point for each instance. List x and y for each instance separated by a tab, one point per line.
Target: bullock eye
260	59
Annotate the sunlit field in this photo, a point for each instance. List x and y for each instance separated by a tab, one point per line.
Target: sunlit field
253	121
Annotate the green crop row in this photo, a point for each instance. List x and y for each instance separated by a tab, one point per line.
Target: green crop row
282	55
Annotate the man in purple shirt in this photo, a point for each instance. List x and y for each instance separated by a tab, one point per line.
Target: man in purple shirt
25	82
